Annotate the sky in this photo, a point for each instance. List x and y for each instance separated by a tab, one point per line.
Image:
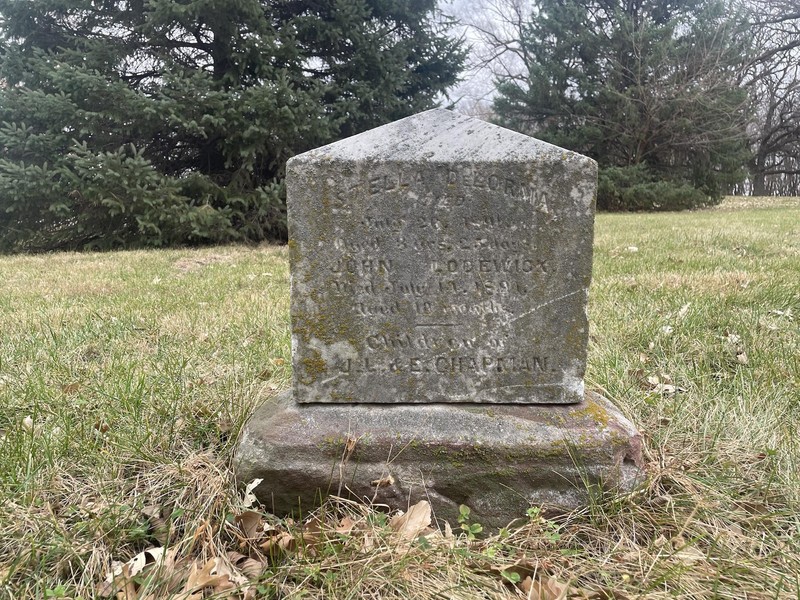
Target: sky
477	17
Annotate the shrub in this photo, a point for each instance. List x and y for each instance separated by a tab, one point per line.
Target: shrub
637	188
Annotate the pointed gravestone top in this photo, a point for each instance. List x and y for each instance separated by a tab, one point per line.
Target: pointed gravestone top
440	259
440	135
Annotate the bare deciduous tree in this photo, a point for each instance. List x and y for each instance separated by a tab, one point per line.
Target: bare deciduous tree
761	39
772	77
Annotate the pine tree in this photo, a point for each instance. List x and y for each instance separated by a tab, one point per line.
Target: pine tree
156	122
647	88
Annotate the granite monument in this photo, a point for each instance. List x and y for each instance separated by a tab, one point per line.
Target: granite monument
440	273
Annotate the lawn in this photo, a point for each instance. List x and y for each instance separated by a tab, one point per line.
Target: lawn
125	379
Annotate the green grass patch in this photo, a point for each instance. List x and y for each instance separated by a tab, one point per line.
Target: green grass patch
126	377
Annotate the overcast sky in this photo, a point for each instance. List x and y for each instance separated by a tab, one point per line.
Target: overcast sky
474	93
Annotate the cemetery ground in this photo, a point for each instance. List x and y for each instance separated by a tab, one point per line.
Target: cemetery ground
126	377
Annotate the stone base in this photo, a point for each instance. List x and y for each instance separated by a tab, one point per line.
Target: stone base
497	459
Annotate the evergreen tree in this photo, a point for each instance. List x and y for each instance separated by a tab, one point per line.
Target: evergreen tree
155	122
647	88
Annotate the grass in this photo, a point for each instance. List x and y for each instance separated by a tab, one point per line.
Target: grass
126	377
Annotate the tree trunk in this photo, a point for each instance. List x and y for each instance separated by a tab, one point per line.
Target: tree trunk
759	184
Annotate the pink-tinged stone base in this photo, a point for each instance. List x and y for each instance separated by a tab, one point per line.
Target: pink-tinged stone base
497	459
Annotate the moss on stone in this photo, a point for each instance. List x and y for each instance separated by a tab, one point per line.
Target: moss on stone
506	472
312	367
591	410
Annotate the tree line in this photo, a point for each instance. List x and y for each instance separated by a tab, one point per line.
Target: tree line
162	122
157	122
679	101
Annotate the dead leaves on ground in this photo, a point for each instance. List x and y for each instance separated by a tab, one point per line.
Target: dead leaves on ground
157	572
263	544
531	581
549	588
410	525
662	384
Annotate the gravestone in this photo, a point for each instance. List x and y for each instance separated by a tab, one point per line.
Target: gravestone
440	272
440	259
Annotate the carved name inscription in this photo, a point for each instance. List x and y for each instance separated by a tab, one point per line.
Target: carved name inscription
427	282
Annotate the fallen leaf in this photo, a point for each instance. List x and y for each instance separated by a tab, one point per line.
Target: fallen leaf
411	524
251	567
286	542
120	585
143	559
383	481
345	526
312	532
250	498
526	585
159	526
106	589
249	523
281	543
175	569
213	574
662	384
152	511
544	588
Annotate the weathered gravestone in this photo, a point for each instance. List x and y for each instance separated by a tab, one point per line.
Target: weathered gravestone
440	270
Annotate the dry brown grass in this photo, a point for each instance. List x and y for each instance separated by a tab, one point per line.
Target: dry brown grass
756	202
